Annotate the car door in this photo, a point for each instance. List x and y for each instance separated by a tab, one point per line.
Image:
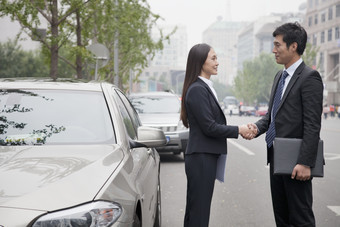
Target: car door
145	159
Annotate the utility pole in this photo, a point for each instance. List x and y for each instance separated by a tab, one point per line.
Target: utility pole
115	53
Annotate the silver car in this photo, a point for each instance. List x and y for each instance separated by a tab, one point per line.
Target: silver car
75	154
162	110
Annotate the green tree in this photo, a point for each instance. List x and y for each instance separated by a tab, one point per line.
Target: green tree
309	56
254	82
73	24
129	22
28	13
15	62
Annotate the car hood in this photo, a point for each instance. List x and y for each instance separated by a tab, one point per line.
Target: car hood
48	178
160	119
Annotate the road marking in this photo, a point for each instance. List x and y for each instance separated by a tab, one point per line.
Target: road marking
242	148
332	156
335	209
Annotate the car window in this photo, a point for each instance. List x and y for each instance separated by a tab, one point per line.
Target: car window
132	112
128	123
156	104
38	117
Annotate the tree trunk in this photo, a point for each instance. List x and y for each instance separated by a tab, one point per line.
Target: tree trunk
79	44
54	44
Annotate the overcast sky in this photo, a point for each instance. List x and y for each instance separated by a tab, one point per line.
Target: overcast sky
197	15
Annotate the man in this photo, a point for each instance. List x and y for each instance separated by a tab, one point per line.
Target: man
295	109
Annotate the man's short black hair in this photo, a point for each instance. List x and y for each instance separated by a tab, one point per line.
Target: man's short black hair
293	32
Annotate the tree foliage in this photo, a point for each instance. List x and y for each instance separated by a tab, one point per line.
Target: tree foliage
130	22
29	13
15	62
74	24
254	82
309	55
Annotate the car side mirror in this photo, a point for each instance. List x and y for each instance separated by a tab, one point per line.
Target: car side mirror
149	137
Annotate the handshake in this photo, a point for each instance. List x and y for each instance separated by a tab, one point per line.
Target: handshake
248	131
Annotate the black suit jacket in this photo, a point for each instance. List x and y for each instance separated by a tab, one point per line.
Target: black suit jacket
207	122
299	113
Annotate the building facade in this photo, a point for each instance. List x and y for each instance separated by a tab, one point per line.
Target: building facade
166	69
258	38
322	22
222	36
174	51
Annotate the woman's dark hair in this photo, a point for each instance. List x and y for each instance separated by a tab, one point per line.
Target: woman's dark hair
197	56
293	32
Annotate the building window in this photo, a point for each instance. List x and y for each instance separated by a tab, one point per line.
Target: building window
315	39
316	2
330	13
337	10
321	61
310	21
323	17
337	33
330	32
322	39
310	3
316	19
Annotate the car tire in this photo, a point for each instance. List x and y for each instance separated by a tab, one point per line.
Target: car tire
158	218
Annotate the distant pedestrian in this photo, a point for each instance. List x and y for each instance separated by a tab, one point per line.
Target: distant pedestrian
325	111
332	110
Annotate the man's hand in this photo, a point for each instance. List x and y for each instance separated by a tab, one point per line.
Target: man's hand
246	132
301	172
253	128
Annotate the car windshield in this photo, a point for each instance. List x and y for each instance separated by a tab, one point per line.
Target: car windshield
40	117
156	104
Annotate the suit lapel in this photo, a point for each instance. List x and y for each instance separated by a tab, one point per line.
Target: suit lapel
275	84
210	91
207	87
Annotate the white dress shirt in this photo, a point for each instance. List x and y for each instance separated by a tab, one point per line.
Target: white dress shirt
290	71
210	84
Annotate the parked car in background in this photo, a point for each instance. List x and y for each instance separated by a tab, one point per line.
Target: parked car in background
162	110
75	154
230	105
262	110
247	110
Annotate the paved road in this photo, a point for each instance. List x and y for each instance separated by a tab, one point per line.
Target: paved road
244	199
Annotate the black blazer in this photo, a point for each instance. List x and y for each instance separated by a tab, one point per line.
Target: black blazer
299	113
207	123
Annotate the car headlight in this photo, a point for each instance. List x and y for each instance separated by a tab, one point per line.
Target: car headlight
95	214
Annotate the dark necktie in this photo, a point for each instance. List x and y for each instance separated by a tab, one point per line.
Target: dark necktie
276	102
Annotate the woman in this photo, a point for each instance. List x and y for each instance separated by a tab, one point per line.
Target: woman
201	112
